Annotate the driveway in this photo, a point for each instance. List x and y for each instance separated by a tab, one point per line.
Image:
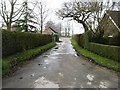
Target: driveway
60	67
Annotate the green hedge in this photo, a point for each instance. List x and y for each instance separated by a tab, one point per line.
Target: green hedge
109	63
84	39
77	38
12	61
112	52
13	42
108	51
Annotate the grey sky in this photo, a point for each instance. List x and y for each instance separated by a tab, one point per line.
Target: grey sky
54	5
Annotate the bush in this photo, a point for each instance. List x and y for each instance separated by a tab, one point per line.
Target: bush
13	42
56	38
113	40
112	52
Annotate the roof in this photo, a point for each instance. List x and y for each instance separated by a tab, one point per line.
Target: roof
115	15
49	31
52	29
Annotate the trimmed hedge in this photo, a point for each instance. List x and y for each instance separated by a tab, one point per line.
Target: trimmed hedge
108	51
109	63
84	39
13	42
112	52
12	61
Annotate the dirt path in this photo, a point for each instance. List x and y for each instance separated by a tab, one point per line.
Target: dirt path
60	67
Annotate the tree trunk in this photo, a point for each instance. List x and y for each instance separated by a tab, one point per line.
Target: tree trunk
84	25
11	14
41	26
9	26
41	18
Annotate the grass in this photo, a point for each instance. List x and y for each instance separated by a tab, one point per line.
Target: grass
12	61
109	63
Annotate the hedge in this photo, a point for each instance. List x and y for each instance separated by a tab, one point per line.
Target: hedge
19	58
13	42
109	63
112	52
108	51
84	39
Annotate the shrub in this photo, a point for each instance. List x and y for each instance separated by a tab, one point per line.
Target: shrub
56	37
13	42
114	41
112	52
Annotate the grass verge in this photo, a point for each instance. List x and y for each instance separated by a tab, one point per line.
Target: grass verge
12	61
109	63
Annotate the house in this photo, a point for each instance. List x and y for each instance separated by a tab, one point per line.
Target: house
51	31
110	24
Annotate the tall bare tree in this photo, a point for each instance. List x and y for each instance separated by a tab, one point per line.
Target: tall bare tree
79	11
83	12
41	15
12	15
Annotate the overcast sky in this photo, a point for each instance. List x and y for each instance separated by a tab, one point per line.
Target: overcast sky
54	5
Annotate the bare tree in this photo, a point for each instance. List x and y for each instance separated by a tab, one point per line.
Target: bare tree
42	14
12	15
83	12
50	24
79	11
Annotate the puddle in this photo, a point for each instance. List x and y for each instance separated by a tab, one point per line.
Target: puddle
42	82
90	77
